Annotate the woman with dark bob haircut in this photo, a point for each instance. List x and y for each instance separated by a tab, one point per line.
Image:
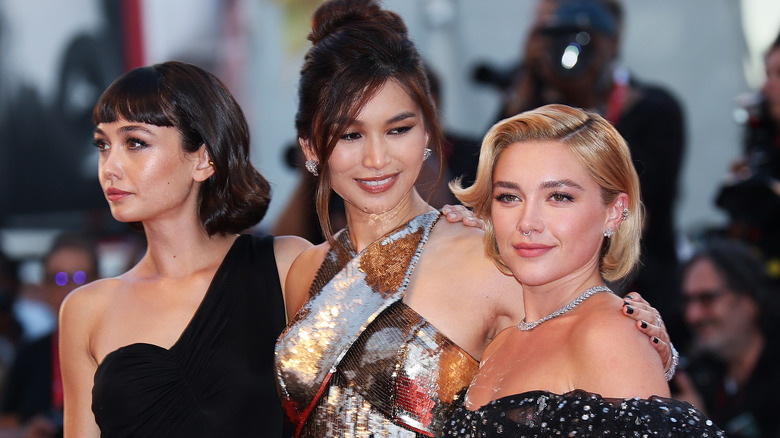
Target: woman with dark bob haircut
182	343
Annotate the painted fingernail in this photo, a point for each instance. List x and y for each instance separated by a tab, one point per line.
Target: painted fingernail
630	297
644	325
655	340
630	310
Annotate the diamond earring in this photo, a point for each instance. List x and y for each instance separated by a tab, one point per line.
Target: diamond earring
311	166
609	232
426	153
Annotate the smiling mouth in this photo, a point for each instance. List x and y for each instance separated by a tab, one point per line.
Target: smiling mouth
531	251
377	185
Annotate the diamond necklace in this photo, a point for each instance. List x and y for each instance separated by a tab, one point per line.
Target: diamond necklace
526	326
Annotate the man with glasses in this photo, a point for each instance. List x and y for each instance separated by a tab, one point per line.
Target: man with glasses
31	402
734	369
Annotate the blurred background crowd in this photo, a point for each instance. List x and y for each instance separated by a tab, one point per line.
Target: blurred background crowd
693	86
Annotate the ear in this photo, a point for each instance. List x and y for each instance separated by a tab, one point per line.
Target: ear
203	168
308	151
615	210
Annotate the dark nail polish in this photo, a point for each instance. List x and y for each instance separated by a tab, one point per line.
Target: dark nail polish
644	325
630	310
655	340
630	297
626	303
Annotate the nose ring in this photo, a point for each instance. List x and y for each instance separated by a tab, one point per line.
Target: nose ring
528	233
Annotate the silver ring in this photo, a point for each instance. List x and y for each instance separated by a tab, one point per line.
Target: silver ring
528	233
658	320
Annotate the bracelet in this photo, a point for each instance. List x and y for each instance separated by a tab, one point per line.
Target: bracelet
675	361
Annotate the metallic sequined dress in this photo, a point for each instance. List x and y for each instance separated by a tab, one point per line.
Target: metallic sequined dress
580	414
358	362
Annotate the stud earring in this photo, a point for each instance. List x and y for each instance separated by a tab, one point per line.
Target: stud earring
609	232
211	163
311	166
426	153
625	214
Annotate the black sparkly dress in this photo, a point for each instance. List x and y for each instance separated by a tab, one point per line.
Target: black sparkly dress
217	380
580	414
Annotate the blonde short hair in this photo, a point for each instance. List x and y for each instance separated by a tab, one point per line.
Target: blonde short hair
603	153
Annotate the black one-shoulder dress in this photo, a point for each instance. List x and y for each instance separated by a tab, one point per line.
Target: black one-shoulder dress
218	378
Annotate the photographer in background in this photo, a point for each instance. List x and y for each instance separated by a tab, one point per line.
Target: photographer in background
571	57
732	369
32	402
751	194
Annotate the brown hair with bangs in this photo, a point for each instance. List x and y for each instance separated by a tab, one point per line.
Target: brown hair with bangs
196	103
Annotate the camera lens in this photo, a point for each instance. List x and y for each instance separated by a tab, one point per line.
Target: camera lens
570	53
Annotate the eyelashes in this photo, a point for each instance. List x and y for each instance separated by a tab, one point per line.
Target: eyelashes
555	197
352	136
131	144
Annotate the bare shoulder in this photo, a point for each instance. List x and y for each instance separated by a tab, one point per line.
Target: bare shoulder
301	275
458	234
89	300
607	328
611	353
310	259
81	315
460	247
288	248
459	289
463	249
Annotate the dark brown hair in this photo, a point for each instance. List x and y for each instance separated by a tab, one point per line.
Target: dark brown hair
200	107
356	48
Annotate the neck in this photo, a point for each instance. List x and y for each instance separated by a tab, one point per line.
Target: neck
541	300
177	251
366	227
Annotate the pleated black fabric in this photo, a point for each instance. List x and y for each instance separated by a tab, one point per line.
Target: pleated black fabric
218	379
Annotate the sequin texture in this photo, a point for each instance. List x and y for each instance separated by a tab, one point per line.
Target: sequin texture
358	362
581	414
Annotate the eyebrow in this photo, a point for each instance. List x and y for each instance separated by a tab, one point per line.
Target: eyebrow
552	184
560	183
395	119
128	128
403	116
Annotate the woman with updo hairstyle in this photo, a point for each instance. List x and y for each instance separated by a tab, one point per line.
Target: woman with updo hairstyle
182	343
393	312
339	76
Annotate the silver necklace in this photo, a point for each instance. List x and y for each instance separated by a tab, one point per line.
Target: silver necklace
526	326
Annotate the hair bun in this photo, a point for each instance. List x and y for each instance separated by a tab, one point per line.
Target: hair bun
335	14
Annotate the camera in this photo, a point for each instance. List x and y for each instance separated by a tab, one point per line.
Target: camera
571	32
570	50
751	193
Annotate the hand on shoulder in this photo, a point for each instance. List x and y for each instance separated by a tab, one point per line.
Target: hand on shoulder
611	357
